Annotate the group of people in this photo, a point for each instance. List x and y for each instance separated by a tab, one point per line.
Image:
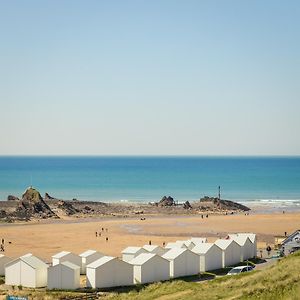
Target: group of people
98	234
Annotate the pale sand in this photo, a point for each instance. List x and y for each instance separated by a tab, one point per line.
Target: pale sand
44	240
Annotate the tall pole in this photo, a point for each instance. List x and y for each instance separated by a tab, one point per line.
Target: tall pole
219	193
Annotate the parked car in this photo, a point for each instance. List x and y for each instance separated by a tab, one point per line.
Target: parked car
240	269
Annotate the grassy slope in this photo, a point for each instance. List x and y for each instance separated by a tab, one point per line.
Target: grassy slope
280	281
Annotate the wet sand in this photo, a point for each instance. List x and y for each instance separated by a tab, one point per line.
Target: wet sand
78	235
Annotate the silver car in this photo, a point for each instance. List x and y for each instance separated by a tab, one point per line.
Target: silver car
240	269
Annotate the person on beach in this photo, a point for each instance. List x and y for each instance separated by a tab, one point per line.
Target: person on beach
96	234
269	249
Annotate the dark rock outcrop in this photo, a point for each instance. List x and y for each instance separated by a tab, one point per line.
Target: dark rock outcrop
166	201
219	204
48	197
187	205
32	204
67	207
12	198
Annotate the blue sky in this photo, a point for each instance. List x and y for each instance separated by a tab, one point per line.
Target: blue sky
150	77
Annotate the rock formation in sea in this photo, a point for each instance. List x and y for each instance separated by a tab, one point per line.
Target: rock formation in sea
219	204
166	201
32	204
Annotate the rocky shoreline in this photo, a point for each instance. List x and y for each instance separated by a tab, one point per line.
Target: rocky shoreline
33	206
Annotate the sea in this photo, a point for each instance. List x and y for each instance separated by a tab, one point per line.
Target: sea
274	180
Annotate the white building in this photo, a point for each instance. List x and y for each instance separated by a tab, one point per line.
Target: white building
246	246
130	253
64	276
3	261
109	271
155	249
149	267
87	258
28	271
231	252
252	238
63	256
211	256
183	262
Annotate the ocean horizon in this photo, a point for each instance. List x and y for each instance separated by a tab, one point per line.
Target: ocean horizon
249	179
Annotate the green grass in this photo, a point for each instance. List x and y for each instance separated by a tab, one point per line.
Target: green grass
280	281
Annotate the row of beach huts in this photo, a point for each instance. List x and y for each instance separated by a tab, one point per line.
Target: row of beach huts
138	265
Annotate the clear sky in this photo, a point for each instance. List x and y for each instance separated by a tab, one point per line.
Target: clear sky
150	77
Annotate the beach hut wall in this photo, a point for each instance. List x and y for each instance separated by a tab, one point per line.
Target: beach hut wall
88	257
130	253
3	261
63	256
231	252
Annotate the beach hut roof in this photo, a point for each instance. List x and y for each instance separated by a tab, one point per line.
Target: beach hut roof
172	245
198	240
61	254
182	243
223	244
27	255
240	239
142	258
87	253
32	261
101	261
131	250
70	265
173	253
150	247
202	248
251	236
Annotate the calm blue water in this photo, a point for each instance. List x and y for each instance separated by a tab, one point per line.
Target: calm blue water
150	178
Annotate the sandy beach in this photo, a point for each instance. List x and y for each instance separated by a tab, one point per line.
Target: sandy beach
46	238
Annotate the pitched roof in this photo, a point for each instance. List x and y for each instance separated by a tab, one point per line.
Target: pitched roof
198	240
224	244
240	239
172	245
61	254
251	236
99	262
34	262
142	258
291	236
183	244
203	248
70	265
87	253
150	248
173	253
132	250
26	255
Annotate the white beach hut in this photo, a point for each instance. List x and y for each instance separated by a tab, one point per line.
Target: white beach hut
64	276
130	253
231	252
246	246
62	256
155	249
3	261
252	238
183	262
210	256
149	267
109	271
28	271
88	257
